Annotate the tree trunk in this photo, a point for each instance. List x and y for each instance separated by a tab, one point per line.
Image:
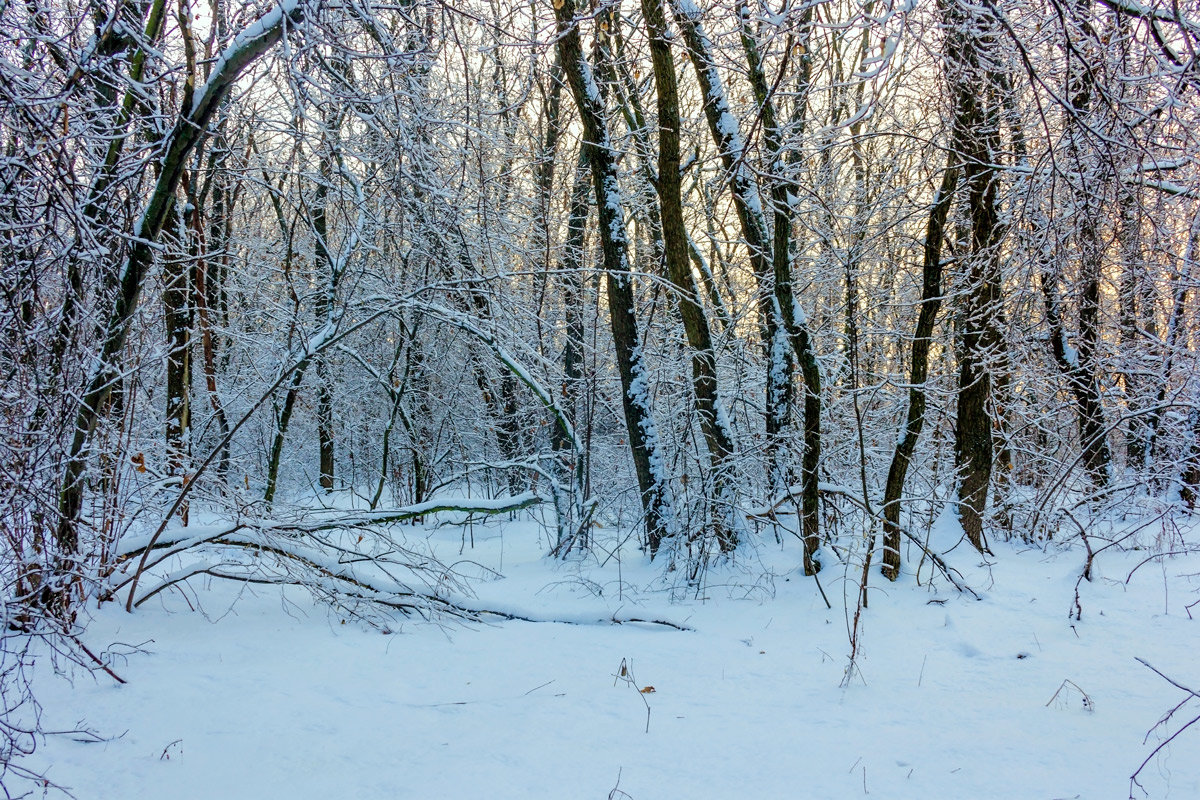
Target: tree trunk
931	302
1134	321
176	293
571	276
320	229
1079	365
781	365
1190	489
190	128
779	315
713	421
207	292
639	422
976	135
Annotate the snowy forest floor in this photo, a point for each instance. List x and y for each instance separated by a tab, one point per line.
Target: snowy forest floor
263	693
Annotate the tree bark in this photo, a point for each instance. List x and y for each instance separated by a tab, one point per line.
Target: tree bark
570	275
713	421
1079	365
189	129
639	422
976	136
780	317
320	229
931	302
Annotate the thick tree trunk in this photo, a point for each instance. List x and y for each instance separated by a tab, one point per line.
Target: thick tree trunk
639	422
713	421
976	136
780	317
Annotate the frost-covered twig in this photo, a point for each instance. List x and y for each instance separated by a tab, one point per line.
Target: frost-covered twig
1191	695
311	553
951	574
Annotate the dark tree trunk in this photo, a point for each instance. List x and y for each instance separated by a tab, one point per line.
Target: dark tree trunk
176	294
717	437
931	302
320	230
779	315
571	277
190	128
639	422
207	273
1080	367
1190	489
976	136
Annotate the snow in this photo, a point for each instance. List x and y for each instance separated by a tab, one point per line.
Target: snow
799	318
1148	12
1070	354
260	693
258	29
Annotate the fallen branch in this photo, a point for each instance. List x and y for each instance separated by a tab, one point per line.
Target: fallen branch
612	619
345	558
180	540
96	659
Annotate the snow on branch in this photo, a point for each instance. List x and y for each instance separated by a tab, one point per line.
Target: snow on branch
346	558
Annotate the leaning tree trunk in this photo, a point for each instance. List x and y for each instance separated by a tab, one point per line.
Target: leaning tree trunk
189	129
717	435
639	422
931	302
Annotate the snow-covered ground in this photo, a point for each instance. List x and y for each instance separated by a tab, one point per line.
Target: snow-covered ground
264	694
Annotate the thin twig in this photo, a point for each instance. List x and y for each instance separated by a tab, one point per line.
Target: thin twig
104	666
